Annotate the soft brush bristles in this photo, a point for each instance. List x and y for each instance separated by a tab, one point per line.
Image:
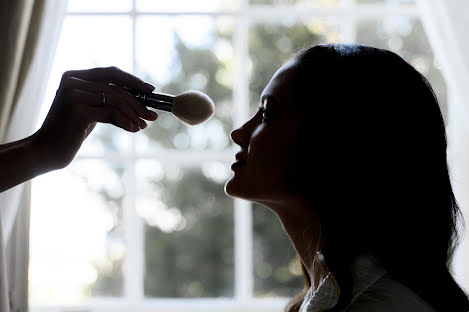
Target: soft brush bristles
193	107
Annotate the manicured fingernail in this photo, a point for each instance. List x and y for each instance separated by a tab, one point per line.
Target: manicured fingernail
148	87
143	124
153	114
135	128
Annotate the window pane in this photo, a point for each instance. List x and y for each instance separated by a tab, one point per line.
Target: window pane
181	53
99	5
188	230
315	3
271	45
277	270
77	241
186	5
86	42
405	36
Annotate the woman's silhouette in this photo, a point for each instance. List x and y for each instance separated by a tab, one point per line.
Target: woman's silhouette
348	149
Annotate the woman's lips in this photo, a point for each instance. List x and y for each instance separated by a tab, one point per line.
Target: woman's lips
239	161
237	164
239	157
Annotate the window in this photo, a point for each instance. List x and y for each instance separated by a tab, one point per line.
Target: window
140	221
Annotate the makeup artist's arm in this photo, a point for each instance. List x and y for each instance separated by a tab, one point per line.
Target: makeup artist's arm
84	98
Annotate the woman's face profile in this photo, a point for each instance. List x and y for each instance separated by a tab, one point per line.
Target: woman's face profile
264	167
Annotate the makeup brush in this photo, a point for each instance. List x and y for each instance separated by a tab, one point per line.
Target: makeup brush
191	107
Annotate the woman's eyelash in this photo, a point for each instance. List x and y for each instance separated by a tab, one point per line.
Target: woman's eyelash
265	113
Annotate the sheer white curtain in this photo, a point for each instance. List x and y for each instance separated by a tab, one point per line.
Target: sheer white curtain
15	202
447	23
28	105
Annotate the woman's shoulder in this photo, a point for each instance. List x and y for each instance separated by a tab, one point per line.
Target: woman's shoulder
388	295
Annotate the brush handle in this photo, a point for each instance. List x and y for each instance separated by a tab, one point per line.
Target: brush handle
160	101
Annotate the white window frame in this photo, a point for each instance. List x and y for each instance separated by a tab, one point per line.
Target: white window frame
133	298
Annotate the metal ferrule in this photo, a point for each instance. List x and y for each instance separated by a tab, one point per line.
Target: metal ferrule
160	101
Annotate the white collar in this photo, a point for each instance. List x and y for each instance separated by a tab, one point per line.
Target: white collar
364	272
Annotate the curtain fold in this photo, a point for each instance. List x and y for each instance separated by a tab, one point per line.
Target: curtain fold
18	255
29	32
14	30
446	23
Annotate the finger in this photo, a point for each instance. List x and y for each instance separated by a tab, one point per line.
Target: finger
95	111
84	85
141	109
122	103
111	75
138	108
112	96
114	117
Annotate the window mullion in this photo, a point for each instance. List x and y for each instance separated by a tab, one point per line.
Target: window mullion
349	23
242	209
133	272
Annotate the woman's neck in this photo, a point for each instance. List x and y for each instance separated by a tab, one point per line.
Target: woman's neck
302	225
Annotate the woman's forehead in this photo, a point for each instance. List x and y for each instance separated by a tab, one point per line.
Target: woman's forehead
280	86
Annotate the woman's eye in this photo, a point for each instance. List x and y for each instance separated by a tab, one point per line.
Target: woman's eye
263	115
266	114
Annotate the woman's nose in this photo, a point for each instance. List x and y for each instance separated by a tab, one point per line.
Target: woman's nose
236	135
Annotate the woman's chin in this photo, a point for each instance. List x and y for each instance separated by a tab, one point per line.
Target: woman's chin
234	189
229	188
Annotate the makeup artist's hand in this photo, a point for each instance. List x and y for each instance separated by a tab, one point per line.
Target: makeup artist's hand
84	98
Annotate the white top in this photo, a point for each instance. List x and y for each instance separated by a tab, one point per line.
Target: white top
373	290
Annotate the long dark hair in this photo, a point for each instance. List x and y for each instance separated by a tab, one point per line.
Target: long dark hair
378	169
